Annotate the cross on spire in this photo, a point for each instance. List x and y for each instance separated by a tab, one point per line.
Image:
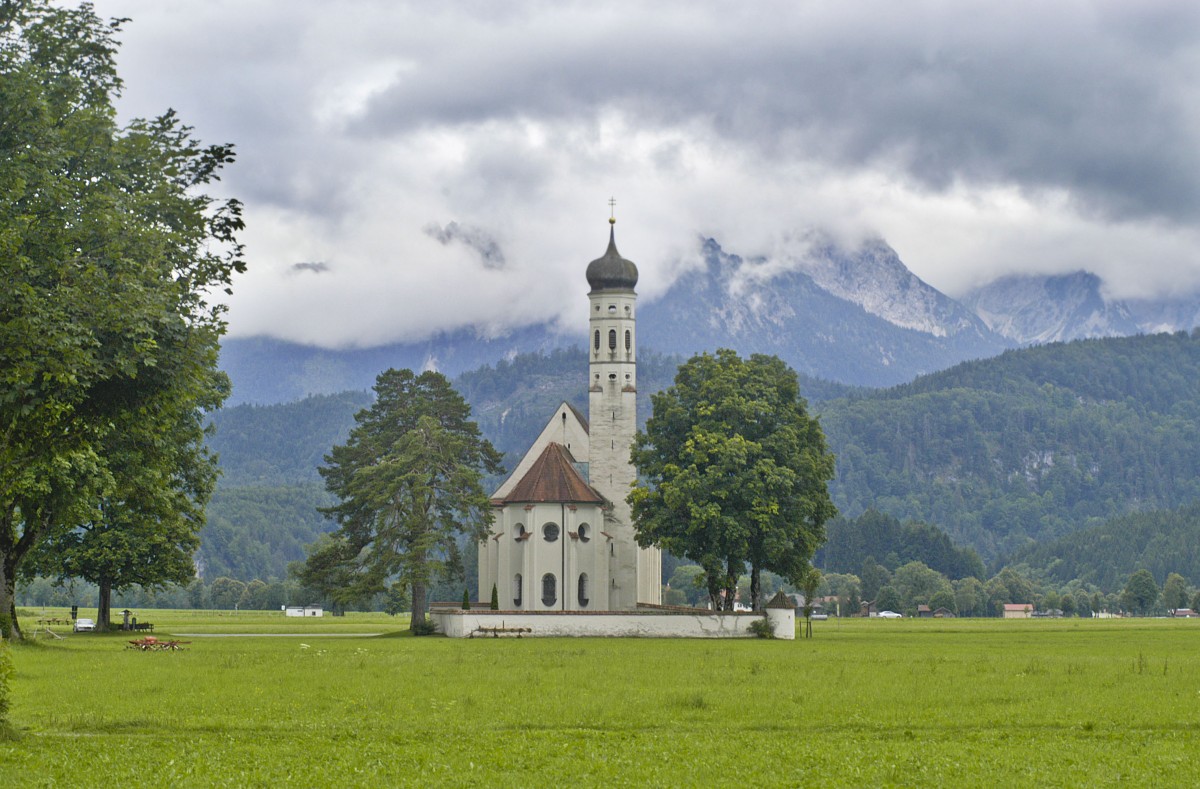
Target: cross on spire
612	207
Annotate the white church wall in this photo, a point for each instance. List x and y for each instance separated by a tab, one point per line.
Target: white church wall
456	623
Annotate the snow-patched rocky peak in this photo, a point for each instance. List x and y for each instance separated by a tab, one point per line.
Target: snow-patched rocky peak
1040	309
872	276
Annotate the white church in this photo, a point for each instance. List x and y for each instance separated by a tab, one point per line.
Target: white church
562	539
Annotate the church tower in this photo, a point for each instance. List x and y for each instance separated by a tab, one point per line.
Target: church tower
636	573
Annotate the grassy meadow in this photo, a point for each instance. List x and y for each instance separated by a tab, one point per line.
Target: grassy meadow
864	703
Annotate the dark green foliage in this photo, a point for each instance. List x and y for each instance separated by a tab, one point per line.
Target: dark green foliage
108	330
466	601
495	604
1175	592
256	532
851	541
762	627
1162	542
1028	446
408	482
273	446
1140	593
888	599
736	472
423	627
396	599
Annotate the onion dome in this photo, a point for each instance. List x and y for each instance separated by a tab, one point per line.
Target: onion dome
612	272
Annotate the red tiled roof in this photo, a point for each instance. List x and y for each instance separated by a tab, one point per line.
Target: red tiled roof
553	477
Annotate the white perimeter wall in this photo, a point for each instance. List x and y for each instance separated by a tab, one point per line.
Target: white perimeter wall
465	624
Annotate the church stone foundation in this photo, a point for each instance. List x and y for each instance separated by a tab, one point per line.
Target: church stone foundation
457	623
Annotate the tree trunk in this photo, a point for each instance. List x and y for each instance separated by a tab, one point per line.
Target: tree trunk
755	589
9	627
419	604
104	605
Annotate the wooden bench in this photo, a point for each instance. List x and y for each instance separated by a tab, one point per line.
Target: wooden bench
144	626
496	632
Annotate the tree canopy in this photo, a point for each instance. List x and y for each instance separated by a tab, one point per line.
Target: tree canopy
408	482
735	472
110	251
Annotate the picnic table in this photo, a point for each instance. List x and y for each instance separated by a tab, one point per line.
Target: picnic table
152	644
53	620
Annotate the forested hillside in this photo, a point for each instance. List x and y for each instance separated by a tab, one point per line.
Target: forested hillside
1029	446
1161	541
281	444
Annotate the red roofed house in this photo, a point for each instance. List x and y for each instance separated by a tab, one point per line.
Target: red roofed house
1018	610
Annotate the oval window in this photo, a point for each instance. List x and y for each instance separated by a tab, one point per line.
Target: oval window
584	532
550	532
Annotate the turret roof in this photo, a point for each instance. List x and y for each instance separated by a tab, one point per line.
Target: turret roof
611	271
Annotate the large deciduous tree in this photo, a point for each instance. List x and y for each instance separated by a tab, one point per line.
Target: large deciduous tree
1140	593
735	472
409	482
109	253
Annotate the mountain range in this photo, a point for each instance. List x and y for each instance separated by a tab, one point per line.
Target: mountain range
856	316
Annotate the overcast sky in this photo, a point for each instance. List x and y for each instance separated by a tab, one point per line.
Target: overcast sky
410	167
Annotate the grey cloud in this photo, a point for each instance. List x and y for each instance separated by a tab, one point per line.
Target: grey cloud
473	237
314	267
1097	100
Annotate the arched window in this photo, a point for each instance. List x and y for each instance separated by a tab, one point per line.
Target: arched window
549	589
550	532
596	340
628	341
612	339
584	532
517	590
583	590
519	531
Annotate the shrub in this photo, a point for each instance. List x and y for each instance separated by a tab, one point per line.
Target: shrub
424	627
763	628
495	599
466	600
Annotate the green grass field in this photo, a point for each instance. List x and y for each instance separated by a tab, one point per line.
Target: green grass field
865	703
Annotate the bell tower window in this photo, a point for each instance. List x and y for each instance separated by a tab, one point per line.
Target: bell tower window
628	341
612	339
596	340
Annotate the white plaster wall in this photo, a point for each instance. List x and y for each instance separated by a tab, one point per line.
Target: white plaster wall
462	624
784	620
